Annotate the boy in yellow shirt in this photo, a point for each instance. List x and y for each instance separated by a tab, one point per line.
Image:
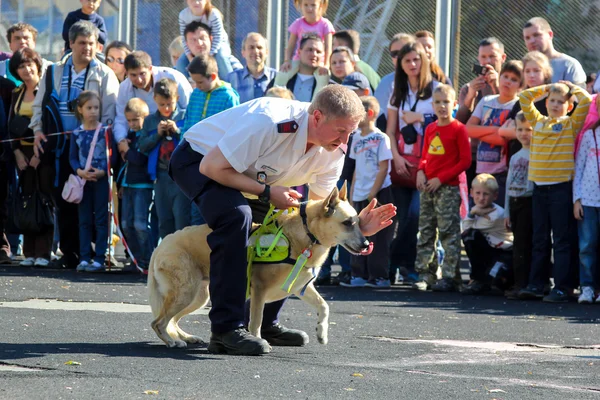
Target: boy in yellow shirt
551	168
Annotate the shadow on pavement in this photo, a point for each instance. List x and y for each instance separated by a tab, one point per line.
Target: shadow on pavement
130	349
404	297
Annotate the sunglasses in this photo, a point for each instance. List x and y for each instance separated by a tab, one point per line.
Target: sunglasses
395	53
119	60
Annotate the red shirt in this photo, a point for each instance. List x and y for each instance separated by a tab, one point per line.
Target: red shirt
446	152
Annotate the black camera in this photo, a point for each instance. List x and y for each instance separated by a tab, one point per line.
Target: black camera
479	69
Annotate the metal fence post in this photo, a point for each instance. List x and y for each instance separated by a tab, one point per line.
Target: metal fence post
443	18
275	38
125	21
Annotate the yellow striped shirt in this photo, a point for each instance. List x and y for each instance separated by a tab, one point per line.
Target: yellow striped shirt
551	155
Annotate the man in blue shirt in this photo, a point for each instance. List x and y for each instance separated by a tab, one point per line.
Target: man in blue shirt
251	82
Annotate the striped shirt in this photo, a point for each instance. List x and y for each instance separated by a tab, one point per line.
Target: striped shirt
67	94
218	34
249	87
205	104
551	155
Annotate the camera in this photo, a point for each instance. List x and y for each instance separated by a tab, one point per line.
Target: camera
479	69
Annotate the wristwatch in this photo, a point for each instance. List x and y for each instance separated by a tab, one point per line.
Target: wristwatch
265	196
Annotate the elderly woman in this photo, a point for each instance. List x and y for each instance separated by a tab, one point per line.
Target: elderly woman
115	54
26	64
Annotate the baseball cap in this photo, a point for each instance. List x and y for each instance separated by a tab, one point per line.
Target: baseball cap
357	81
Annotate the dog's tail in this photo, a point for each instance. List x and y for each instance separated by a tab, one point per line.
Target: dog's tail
154	294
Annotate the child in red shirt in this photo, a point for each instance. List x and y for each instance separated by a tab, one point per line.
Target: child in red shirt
447	155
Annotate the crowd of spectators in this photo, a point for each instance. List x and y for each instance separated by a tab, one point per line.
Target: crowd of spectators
107	113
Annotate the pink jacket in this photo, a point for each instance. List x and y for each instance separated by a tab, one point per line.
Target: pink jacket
590	120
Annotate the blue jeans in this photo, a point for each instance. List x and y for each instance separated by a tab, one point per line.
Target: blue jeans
589	229
93	211
224	64
172	207
136	212
553	214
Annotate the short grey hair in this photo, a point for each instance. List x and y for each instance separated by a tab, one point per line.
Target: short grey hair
257	35
82	28
337	101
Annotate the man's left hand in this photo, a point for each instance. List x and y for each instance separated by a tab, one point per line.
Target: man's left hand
372	219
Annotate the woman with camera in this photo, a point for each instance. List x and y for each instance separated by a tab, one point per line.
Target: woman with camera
409	112
26	64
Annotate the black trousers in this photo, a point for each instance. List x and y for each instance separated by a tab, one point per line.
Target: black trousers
67	213
4	245
483	257
521	221
228	213
376	264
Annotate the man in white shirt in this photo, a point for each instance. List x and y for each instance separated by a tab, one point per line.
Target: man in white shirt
141	76
260	149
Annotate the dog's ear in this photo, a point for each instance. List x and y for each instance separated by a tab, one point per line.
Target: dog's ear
331	202
344	192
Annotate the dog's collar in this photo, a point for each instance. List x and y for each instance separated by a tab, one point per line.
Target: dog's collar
312	237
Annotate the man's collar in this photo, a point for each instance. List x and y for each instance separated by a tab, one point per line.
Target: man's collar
247	72
69	62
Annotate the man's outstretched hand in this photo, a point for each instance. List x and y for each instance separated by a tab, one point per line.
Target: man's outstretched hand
372	219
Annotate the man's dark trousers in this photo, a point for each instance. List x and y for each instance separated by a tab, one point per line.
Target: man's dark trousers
229	215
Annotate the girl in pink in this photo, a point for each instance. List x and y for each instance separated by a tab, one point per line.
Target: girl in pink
312	21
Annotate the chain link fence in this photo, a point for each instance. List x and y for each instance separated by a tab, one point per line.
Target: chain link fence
155	24
47	16
574	23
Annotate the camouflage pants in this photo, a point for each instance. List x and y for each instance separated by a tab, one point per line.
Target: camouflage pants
439	214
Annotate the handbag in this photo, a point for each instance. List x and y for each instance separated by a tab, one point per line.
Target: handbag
412	154
410	147
73	189
32	213
18	126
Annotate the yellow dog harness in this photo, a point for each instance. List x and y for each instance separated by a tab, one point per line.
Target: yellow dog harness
268	245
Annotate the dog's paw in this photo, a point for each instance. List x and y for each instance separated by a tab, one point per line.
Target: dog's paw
177	343
193	339
322	340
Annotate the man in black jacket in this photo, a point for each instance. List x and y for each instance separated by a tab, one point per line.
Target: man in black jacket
6	88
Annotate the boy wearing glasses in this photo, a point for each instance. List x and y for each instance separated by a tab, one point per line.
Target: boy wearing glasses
87	12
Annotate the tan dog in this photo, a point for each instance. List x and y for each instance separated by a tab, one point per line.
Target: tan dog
178	274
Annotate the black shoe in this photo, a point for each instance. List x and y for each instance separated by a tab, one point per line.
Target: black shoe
343	276
324	280
279	335
238	342
531	292
445	285
556	296
5	258
475	288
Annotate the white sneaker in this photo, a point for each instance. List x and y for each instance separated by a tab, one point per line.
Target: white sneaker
598	299
41	262
82	266
28	262
355	282
586	296
53	256
94	267
379	283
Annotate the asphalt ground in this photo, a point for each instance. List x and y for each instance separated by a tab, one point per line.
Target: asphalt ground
383	344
